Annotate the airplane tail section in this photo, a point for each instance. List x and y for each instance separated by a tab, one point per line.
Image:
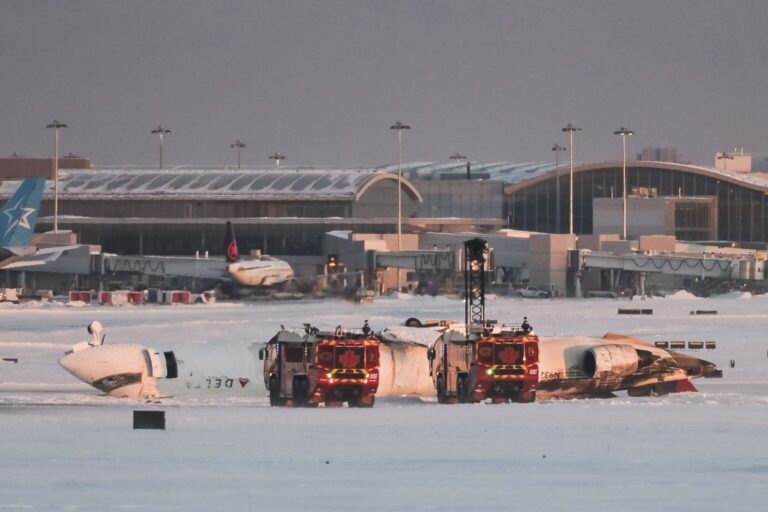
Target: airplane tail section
19	214
230	244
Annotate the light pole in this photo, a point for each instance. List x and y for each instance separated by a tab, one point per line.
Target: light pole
399	127
56	125
459	156
570	129
624	133
237	145
277	157
725	157
161	131
557	148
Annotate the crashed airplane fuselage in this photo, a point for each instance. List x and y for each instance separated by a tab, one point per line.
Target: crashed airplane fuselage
569	367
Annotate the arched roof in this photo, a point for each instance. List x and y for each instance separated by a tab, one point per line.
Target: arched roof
507	172
251	184
518	176
755	181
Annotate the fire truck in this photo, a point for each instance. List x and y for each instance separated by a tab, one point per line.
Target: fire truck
483	360
322	367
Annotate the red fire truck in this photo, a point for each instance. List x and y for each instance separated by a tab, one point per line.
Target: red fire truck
322	367
483	360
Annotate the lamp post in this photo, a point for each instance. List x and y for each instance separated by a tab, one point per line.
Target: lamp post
725	157
277	157
459	156
399	127
570	129
624	133
237	145
56	125
557	148
161	131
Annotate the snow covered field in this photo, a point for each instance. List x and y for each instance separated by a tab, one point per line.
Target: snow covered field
65	447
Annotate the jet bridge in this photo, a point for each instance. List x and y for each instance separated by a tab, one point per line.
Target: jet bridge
694	266
420	261
176	266
741	267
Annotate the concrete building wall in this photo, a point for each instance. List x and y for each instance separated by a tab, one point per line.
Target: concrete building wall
594	242
657	243
548	261
14	168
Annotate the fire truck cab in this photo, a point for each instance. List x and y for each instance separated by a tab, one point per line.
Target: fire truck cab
321	367
500	363
480	359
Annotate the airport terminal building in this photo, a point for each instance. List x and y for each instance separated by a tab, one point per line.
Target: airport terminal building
287	211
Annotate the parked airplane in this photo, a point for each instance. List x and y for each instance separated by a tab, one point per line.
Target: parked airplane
262	271
17	221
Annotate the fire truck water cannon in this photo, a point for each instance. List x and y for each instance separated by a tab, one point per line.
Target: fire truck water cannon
484	360
314	367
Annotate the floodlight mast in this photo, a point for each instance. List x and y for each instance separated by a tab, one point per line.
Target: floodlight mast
624	133
557	148
161	131
570	128
459	156
237	146
56	125
277	157
399	127
475	251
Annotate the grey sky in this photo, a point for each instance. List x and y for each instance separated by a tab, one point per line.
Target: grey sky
322	81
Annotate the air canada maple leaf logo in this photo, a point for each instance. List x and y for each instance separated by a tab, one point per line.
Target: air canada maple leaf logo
349	359
509	355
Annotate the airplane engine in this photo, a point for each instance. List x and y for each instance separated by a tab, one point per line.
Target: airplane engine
124	371
617	360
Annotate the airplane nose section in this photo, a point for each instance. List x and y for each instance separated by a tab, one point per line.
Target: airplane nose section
75	365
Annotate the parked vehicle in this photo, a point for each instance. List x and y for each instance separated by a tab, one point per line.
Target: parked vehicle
322	367
531	292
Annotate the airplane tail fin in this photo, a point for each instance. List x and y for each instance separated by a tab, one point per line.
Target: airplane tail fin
230	244
19	214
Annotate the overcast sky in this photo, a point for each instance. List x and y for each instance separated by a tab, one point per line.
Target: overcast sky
322	81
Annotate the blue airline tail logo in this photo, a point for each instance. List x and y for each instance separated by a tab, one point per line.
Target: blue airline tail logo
19	215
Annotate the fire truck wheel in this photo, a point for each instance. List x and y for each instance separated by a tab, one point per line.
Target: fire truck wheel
526	397
462	388
440	386
413	322
300	390
358	402
274	392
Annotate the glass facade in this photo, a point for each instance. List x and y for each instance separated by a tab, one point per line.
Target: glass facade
741	211
200	209
693	221
474	199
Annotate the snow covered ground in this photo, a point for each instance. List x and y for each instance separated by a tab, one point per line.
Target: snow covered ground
65	447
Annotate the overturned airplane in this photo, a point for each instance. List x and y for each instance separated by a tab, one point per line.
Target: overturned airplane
569	367
586	367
